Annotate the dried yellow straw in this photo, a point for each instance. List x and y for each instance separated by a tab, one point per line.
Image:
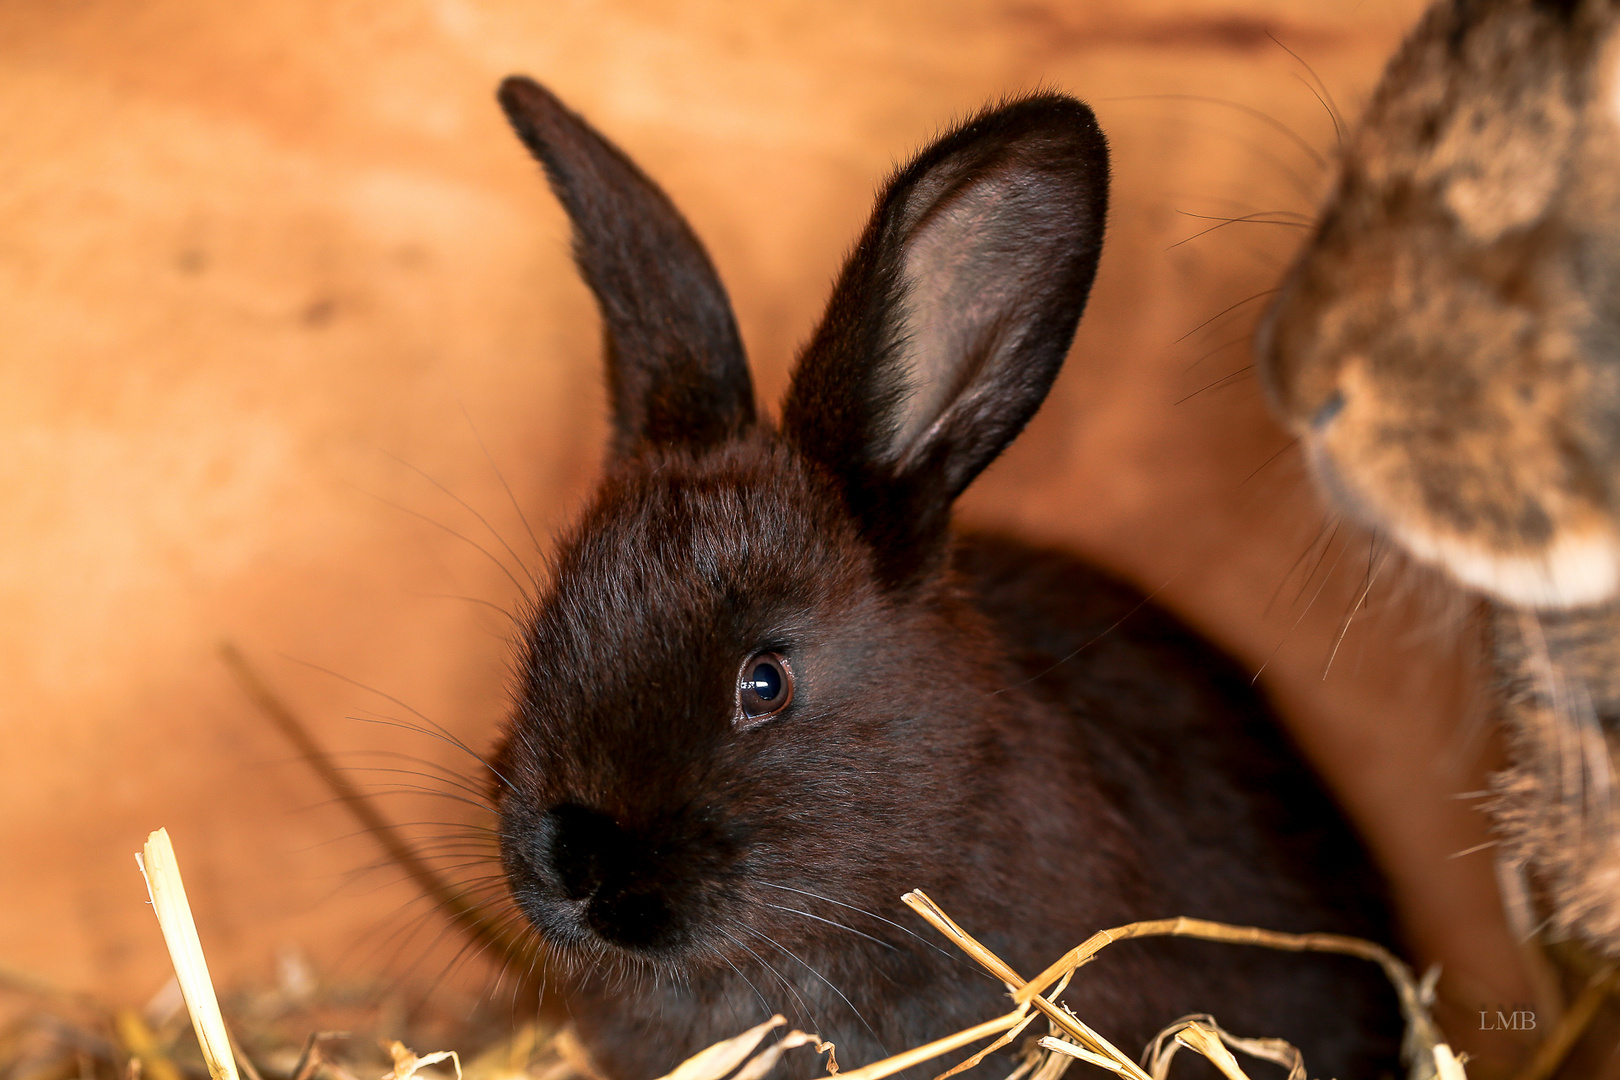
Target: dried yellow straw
1551	1053
721	1058
1070	1024
407	1064
1202	1034
168	894
1428	1055
928	1051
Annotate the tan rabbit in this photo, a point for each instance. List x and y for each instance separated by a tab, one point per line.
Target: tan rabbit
1447	349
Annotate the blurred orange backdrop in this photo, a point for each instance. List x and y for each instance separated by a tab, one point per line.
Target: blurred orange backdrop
274	275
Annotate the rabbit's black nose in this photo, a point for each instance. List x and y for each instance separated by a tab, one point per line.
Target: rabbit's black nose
584	848
597	861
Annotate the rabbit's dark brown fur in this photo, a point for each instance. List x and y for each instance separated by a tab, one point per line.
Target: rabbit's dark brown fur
1029	741
1446	349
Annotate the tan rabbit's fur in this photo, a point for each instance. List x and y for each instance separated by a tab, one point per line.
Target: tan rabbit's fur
1445	349
1559	680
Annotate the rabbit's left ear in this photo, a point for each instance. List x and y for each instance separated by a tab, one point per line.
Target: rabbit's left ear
676	370
952	318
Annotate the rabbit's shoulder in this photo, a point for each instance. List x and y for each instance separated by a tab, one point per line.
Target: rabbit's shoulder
1080	635
1177	734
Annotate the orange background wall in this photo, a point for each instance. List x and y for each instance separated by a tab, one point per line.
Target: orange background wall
270	271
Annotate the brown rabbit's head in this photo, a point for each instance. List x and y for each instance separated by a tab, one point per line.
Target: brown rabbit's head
1447	347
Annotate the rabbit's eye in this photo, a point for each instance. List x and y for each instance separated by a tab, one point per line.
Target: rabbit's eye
764	686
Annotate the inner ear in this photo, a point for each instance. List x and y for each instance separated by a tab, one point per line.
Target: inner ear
951	318
964	292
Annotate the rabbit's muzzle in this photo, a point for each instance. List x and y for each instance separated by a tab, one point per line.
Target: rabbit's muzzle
1457	409
585	879
1479	478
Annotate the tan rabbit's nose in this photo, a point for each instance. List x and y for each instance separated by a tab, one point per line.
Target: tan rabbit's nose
1299	370
1331	407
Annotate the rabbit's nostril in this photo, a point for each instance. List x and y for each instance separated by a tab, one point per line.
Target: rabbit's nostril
1330	408
623	885
582	846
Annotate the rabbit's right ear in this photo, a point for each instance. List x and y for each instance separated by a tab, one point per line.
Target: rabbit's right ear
951	319
677	374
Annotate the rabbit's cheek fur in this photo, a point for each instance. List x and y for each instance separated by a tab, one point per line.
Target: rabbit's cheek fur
1483	479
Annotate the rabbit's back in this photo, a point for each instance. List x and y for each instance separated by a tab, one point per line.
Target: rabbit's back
1227	822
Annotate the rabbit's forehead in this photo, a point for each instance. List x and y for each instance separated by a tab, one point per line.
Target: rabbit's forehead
666	551
1483	107
669	583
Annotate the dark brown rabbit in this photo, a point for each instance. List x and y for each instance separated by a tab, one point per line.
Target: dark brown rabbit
1446	348
768	689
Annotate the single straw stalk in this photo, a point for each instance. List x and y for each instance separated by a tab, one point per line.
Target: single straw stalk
168	894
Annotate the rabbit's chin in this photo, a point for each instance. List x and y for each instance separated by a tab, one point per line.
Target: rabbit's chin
1575	570
1578	566
588	961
